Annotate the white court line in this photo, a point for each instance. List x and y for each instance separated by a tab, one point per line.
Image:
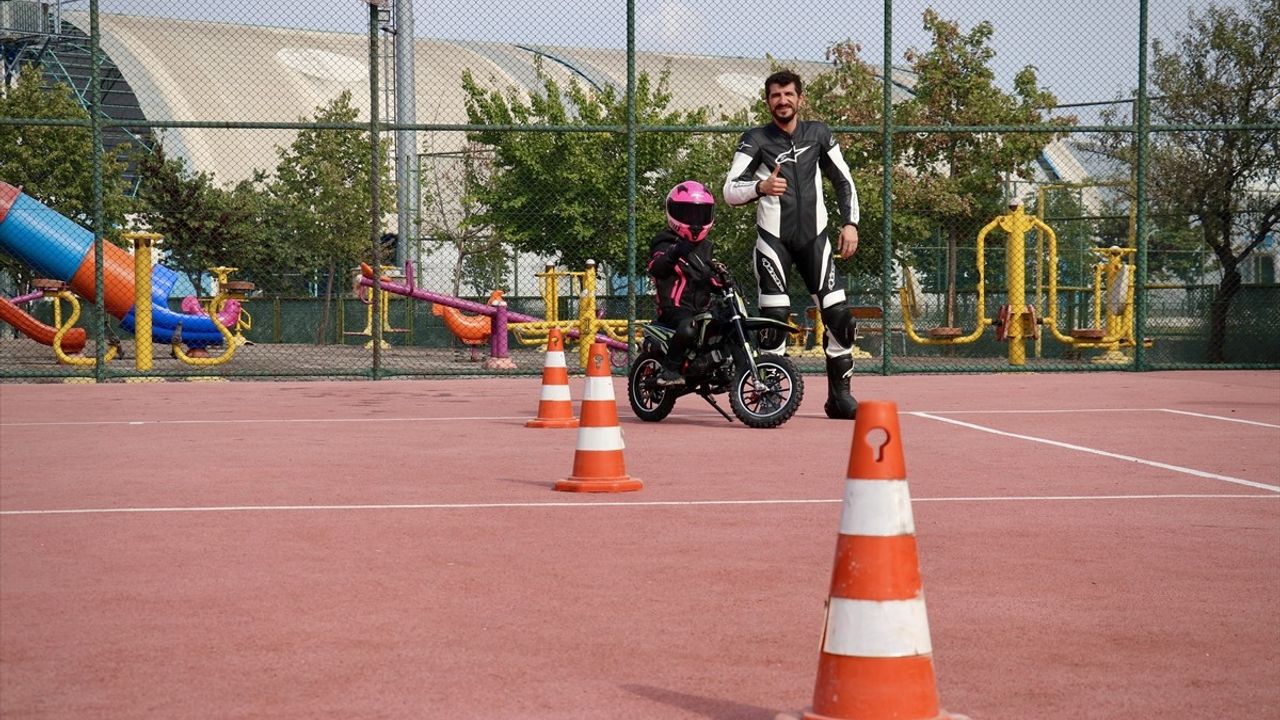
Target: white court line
1104	453
252	421
286	421
1219	417
1036	411
1042	411
612	504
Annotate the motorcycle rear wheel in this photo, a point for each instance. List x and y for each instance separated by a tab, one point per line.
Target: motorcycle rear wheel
649	401
771	397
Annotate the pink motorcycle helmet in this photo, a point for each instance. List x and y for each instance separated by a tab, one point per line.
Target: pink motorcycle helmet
691	210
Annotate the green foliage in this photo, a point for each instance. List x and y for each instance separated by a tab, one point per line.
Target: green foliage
1063	211
956	86
271	259
1222	70
734	233
941	182
205	225
450	216
193	215
54	164
487	269
311	218
563	195
323	180
1222	186
850	95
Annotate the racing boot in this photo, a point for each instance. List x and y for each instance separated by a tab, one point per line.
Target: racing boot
840	404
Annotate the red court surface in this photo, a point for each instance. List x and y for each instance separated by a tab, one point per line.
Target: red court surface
1092	546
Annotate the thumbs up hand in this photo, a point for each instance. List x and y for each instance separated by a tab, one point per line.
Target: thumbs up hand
774	185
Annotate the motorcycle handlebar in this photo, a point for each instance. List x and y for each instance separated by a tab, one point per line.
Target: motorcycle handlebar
722	273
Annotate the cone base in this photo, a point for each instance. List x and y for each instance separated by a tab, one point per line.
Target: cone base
624	483
810	715
552	423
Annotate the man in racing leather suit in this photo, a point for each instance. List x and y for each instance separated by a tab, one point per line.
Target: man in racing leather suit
778	165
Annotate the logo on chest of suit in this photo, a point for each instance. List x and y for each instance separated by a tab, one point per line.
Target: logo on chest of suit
791	155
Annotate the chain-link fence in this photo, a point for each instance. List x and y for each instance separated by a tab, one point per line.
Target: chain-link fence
1047	186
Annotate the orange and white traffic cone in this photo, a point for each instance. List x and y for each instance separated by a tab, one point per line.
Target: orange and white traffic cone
555	408
876	661
597	464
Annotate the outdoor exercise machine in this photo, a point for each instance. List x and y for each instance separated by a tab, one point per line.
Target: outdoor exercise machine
57	292
1113	288
588	324
142	242
1017	321
228	301
234	291
365	295
133	287
497	313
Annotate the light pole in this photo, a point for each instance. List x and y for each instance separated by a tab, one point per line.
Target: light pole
375	186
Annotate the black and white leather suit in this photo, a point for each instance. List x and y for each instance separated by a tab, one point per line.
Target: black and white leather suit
791	229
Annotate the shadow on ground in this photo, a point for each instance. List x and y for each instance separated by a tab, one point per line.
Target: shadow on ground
712	708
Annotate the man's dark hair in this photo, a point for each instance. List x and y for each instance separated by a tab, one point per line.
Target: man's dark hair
782	78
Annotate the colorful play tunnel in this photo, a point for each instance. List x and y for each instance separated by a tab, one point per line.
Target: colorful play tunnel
57	247
72	342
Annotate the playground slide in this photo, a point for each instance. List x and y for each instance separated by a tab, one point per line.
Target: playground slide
59	248
72	342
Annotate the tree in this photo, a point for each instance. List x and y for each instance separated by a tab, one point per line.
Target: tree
450	217
323	180
851	95
956	86
1221	70
563	195
189	211
271	259
205	225
54	163
1065	211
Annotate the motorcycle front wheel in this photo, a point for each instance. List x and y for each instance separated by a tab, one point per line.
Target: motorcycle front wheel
649	401
771	396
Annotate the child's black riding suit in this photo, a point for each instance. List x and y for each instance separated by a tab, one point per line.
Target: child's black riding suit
683	275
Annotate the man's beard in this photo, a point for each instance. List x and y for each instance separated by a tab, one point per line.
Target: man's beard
777	114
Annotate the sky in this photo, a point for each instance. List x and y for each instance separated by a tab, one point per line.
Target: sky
1084	50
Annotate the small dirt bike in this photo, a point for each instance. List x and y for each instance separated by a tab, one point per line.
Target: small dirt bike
764	390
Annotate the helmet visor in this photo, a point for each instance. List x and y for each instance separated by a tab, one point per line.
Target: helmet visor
693	214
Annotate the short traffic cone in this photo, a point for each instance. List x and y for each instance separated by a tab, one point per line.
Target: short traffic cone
876	661
555	408
598	465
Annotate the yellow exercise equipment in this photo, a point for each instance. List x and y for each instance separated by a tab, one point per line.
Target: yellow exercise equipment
588	324
1016	321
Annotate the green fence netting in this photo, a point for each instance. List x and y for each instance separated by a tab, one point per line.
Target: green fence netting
1023	204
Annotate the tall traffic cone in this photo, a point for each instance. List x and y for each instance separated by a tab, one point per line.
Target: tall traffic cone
555	408
598	465
876	661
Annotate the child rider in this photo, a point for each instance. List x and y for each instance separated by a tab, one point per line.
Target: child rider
680	261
